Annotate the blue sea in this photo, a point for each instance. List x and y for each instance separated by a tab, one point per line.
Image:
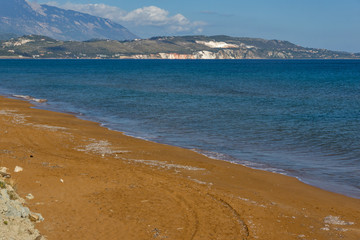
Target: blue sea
295	117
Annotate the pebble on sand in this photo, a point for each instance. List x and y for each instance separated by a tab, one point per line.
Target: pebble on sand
18	169
30	196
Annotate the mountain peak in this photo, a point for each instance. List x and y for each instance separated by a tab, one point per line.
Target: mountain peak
23	18
14	8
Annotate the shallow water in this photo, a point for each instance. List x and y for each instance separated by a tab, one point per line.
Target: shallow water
297	117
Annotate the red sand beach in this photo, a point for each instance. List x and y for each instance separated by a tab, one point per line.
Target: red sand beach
89	182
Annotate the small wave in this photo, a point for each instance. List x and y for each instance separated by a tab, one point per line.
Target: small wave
228	158
29	98
215	155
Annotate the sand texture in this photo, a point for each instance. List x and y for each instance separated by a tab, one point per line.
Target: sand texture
92	183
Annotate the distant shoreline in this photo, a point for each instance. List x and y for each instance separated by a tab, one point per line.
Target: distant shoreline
276	59
177	47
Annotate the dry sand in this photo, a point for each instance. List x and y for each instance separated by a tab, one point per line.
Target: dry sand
92	183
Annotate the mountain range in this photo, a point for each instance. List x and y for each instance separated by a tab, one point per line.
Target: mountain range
30	30
182	47
21	17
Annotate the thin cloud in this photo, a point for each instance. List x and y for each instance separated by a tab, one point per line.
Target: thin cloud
146	16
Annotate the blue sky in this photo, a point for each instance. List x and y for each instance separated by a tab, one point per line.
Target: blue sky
331	24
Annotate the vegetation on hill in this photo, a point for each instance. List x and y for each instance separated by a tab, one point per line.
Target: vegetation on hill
184	47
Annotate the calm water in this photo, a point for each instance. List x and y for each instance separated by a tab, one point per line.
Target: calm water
301	118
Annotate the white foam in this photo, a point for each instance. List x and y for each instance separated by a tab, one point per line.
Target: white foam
166	165
48	127
101	147
17	118
29	98
227	158
198	181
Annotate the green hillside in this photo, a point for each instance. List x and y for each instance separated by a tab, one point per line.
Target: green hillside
192	47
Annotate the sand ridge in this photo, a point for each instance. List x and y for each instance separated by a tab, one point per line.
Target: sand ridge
92	183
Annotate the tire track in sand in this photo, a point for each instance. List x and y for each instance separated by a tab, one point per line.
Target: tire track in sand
210	217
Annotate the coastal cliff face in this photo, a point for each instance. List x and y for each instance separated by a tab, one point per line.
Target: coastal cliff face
240	48
187	47
228	54
221	54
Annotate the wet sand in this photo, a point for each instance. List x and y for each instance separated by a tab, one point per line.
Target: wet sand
93	183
